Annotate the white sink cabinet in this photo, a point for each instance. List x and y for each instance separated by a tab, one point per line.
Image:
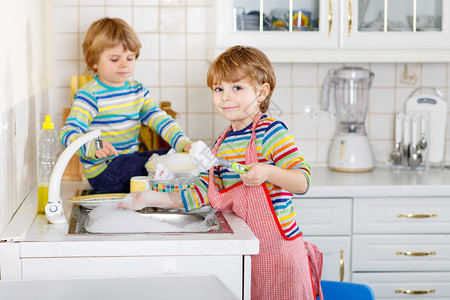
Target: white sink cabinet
33	249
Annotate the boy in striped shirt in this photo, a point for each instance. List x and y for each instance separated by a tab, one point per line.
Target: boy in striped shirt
118	107
242	81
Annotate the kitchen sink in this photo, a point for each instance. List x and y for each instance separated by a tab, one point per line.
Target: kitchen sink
169	221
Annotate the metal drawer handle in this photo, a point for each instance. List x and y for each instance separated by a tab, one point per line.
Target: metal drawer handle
409	253
414	216
415	292
341	264
330	17
349	17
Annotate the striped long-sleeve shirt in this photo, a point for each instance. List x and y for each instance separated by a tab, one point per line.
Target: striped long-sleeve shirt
118	112
274	146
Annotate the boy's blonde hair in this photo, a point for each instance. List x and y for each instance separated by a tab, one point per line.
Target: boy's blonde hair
106	33
241	62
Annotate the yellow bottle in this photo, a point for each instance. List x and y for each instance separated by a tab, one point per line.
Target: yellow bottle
42	198
48	151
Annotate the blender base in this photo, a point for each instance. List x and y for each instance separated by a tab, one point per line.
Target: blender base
351	153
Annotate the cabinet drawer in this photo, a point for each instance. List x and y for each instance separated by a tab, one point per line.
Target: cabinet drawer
385	285
336	256
229	269
401	253
401	215
321	216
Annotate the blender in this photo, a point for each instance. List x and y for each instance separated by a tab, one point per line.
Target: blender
350	150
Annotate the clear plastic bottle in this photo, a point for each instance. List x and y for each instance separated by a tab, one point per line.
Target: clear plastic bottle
48	151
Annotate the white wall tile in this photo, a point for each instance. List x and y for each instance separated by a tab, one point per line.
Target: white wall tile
173	19
65	19
382	100
381	126
308	148
119	2
304	75
177	96
199	2
147	72
91	2
323	149
200	100
124	13
146	19
196	45
304	97
60	3
281	100
434	74
198	19
173	46
304	130
197	128
283	74
89	15
146	2
150	46
63	69
65	46
173	73
172	2
197	71
220	125
384	75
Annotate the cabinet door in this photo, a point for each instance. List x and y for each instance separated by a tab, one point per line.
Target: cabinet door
401	215
234	26
405	252
389	25
417	286
317	216
336	256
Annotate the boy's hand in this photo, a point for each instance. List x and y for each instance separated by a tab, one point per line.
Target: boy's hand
107	150
187	148
258	174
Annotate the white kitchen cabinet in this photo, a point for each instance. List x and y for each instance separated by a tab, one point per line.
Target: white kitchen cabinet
401	246
417	286
327	224
344	30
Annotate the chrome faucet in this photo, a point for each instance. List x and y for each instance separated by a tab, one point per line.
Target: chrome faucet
54	210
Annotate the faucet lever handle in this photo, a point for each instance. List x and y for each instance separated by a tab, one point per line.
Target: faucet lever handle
98	143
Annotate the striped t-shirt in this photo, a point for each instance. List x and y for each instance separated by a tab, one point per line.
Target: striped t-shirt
118	112
275	146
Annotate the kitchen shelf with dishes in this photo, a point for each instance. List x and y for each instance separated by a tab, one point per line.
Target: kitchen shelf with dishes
336	30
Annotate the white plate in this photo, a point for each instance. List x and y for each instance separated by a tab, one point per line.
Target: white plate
91	201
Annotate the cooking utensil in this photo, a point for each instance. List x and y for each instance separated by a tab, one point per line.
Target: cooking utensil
397	154
436	106
406	137
202	157
415	156
423	132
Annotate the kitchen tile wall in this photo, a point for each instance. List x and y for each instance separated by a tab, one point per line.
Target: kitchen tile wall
173	64
24	90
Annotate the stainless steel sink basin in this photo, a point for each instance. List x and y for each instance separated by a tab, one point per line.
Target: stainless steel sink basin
213	222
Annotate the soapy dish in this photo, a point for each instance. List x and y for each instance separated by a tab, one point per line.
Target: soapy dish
91	201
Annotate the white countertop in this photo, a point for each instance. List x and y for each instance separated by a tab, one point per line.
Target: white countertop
40	239
381	182
31	230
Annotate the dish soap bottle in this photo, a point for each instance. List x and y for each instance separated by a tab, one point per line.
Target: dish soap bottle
48	151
